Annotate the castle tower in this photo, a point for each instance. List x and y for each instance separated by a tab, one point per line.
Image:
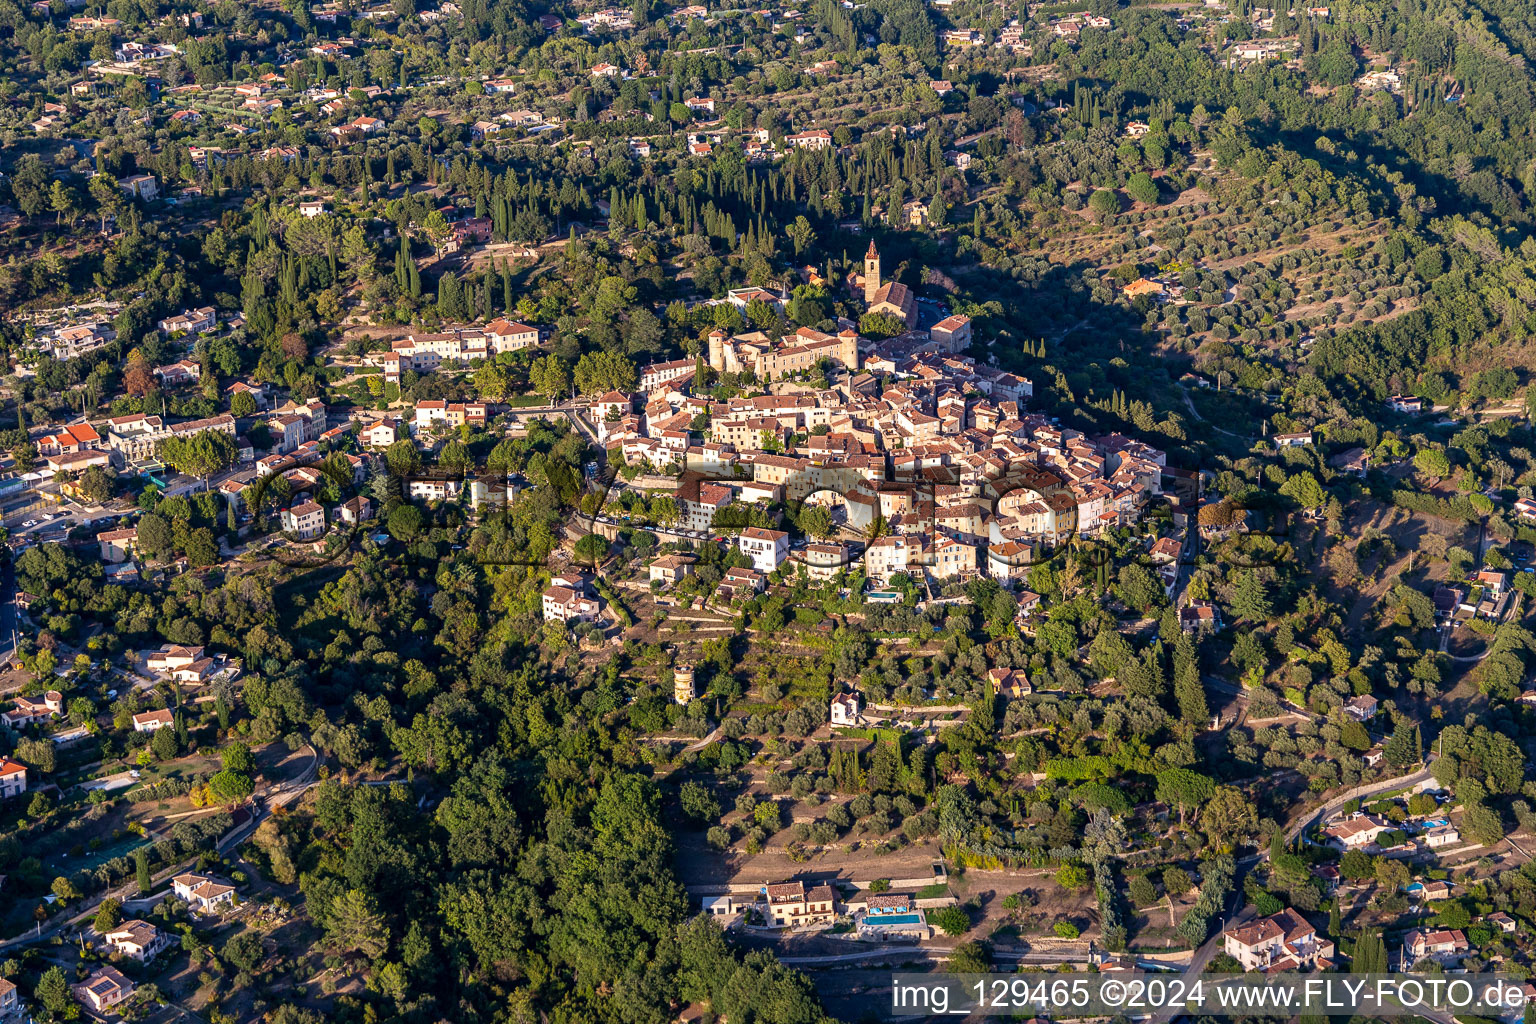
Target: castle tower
717	349
848	350
871	273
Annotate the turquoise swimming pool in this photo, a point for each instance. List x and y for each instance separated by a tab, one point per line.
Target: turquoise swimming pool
894	919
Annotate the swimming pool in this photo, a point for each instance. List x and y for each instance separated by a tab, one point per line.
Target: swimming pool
878	919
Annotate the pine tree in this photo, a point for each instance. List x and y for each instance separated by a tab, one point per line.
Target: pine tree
1402	748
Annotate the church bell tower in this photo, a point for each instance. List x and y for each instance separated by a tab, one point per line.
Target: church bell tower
871	273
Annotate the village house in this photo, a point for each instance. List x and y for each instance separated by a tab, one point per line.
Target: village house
1009	682
29	710
76	462
434	487
355	511
1357	832
118	545
139	186
72	438
818	138
1281	942
565	604
1199	617
80	339
847	708
190	321
178	373
170	657
1493	582
1354	461
13	778
191	665
1361	707
305	520
1440	836
103	988
1432	891
202	892
293	423
768	549
791	905
136	940
741	582
824	561
669	570
1442	945
886	556
153	721
449	415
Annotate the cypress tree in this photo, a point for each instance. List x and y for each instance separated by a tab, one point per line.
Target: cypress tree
1187	688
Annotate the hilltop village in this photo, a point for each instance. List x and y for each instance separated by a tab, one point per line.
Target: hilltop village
527	512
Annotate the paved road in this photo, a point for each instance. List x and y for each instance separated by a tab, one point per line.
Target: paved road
1369	789
698	745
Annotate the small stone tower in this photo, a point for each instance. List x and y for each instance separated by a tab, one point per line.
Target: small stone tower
682	684
717	349
871	273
